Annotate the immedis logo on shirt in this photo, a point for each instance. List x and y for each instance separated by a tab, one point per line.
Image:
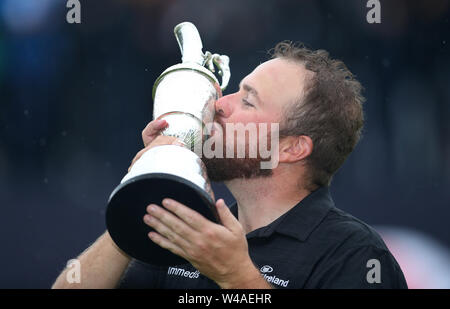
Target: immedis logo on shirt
265	270
183	272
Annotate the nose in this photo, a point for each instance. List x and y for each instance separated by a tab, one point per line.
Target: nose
223	106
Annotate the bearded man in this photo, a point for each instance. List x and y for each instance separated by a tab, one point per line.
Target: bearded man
284	230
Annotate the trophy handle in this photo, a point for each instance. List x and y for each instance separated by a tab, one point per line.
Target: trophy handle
223	63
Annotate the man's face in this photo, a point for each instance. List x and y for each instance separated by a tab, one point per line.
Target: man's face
261	99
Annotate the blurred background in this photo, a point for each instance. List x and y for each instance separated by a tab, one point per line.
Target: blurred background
74	99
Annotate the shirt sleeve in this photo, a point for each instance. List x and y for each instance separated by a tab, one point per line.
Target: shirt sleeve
140	276
366	267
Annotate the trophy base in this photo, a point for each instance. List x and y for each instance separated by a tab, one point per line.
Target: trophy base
127	207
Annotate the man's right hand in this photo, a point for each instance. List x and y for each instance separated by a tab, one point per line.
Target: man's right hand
151	136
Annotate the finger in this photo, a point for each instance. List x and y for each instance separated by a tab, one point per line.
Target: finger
226	217
189	216
165	231
166	244
170	221
152	130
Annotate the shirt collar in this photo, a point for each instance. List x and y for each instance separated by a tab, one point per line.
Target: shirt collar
300	220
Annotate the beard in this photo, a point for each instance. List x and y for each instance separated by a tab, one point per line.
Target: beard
225	169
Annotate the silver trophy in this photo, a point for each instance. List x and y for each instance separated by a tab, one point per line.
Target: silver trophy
184	95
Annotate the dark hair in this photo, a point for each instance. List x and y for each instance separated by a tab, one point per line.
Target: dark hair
329	111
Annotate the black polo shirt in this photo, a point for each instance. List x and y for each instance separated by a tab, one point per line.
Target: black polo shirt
313	245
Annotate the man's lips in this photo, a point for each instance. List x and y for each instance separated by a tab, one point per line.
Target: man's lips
216	123
219	121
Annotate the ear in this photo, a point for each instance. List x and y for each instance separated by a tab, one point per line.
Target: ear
295	148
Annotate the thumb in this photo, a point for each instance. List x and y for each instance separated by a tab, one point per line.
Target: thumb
226	217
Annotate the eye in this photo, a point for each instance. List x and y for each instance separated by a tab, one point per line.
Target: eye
247	103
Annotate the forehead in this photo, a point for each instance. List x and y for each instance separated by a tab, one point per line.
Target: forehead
278	81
